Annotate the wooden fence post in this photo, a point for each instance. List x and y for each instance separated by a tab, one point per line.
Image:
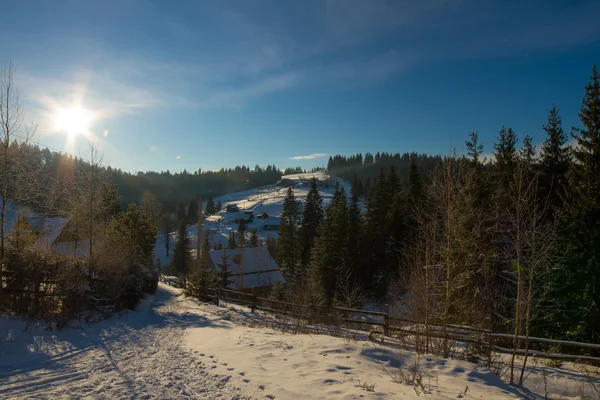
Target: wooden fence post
252	302
386	320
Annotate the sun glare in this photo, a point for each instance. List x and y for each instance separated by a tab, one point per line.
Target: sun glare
73	120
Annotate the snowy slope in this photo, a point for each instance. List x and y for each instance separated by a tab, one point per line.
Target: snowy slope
174	348
267	199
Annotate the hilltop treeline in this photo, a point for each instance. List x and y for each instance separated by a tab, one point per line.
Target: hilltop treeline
362	171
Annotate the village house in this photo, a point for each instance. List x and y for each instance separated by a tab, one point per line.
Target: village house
252	268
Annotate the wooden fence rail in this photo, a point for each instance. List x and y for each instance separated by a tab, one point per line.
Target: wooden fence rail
457	333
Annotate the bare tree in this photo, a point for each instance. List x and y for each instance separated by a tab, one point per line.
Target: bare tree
17	163
534	244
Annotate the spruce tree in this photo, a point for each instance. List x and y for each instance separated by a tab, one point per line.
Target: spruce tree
181	262
218	207
414	181
555	158
585	210
192	215
288	248
180	214
313	214
210	206
231	242
587	153
254	238
225	275
527	152
355	223
109	202
474	148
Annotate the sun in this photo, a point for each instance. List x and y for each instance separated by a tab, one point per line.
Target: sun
73	120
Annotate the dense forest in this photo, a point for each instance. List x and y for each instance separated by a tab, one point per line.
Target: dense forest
512	243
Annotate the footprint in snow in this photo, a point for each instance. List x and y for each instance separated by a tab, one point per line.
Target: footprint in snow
246	380
230	369
269	396
242	373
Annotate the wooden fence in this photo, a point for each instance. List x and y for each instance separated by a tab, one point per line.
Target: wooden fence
422	333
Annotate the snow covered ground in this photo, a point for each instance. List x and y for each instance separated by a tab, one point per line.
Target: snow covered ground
173	347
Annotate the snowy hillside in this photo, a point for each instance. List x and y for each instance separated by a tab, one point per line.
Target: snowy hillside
266	199
173	347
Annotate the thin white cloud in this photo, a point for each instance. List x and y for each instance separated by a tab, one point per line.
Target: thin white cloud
308	157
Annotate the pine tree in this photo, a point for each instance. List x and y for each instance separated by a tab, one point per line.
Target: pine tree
587	152
474	148
242	234
329	257
288	248
182	262
219	207
231	242
225	276
254	238
192	214
585	210
210	206
313	214
414	181
109	202
555	158
527	152
167	227
180	214
506	152
355	222
393	183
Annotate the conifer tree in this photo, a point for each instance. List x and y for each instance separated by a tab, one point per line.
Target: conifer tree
313	214
181	262
474	148
242	234
109	202
355	222
210	206
585	210
218	207
192	214
225	276
254	238
393	183
180	214
288	248
555	158
167	227
587	152
231	242
527	152
414	181
329	258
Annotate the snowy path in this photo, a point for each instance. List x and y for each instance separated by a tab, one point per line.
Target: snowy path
139	355
174	347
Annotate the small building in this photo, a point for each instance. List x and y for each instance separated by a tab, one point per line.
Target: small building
232	208
262	216
240	216
271	224
251	268
250	214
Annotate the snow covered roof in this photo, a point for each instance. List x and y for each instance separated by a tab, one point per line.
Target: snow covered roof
49	228
250	267
272	221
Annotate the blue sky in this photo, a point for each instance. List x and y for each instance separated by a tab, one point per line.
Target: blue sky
211	84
